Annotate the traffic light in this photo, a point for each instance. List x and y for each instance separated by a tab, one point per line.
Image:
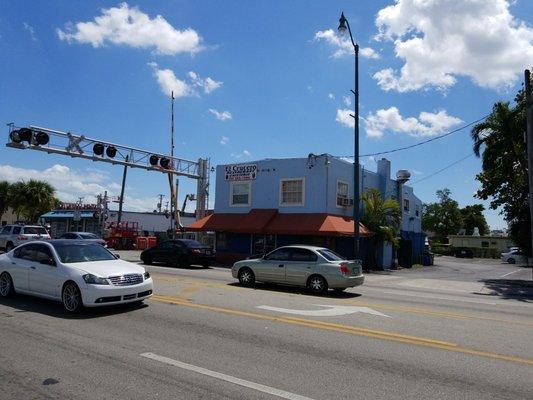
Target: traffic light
111	151
165	163
25	134
15	137
41	138
153	160
98	149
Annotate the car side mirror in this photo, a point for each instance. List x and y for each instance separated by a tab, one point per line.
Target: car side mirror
48	261
117	256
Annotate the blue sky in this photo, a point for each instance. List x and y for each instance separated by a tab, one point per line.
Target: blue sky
273	76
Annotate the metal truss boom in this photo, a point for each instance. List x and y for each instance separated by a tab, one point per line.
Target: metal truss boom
80	146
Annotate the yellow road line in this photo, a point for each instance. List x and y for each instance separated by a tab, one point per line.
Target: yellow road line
377	334
378	306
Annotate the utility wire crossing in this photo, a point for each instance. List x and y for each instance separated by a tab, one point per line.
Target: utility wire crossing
442	169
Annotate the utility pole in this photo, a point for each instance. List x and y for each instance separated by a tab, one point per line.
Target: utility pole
170	176
529	144
160	202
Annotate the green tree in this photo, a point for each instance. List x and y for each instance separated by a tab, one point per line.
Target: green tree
473	218
4	197
499	141
443	217
17	198
40	199
382	217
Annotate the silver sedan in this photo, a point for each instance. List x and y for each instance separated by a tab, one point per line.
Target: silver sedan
316	268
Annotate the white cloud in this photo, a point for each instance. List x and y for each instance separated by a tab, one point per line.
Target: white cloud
427	124
224	140
207	84
71	184
439	40
347	101
342	45
168	82
344	118
123	25
245	153
222	116
331	96
30	30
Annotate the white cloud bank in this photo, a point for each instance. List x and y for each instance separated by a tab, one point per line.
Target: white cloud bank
224	140
168	82
390	120
125	25
439	40
71	184
221	115
342	45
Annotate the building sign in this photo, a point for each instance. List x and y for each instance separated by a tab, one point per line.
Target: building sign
241	172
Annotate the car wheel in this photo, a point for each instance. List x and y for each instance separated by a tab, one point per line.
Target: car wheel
205	265
71	297
6	285
317	284
184	262
246	277
511	261
147	260
9	247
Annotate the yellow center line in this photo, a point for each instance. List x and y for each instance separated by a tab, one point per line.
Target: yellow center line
377	334
378	306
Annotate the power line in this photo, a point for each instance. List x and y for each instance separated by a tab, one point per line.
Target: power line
423	142
442	169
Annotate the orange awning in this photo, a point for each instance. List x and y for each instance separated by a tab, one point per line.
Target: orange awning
270	221
251	222
314	224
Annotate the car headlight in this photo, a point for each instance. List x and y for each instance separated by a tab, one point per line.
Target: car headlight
94	280
146	275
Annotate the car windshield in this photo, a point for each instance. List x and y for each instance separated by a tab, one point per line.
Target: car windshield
35	230
191	243
88	236
330	255
75	253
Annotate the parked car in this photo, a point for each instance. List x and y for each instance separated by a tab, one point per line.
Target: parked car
514	257
88	236
13	235
464	252
316	268
179	252
76	272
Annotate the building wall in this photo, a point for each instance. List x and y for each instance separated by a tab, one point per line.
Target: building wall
321	175
489	242
8	218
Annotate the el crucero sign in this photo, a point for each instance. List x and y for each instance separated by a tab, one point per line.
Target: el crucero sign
241	172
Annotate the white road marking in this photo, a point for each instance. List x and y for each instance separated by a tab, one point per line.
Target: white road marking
330	311
228	378
509	273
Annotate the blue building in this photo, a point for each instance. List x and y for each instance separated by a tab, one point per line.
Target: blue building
273	202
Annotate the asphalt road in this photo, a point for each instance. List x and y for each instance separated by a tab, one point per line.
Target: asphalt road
460	330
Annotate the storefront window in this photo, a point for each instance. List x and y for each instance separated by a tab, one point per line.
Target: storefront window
292	192
240	193
262	244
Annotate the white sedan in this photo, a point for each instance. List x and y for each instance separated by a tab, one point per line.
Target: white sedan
74	272
515	256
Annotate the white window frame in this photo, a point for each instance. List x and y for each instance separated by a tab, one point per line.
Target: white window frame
281	204
337	192
408	206
232	183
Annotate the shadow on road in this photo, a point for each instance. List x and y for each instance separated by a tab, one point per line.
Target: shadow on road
22	303
515	289
297	290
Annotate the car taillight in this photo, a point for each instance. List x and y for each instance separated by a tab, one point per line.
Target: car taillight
344	269
22	238
197	251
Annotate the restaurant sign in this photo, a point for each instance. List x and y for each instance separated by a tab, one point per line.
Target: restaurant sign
241	172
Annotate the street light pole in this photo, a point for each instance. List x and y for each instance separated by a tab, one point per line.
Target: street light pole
343	25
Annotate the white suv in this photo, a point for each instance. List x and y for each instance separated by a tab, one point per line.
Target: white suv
13	235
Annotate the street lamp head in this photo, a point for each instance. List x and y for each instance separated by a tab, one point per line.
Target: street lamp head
342	24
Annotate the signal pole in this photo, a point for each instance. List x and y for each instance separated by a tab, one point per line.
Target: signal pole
529	144
170	176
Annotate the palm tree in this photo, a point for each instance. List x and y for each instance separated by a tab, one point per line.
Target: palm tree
4	197
39	199
382	217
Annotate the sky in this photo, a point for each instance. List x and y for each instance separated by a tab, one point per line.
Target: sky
258	79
